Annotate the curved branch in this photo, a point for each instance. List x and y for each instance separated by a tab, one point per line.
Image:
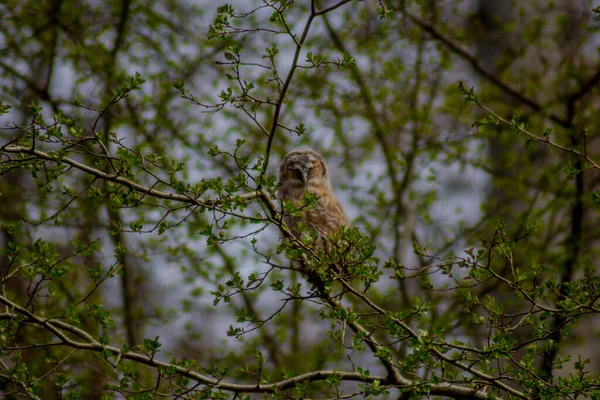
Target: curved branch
288	79
437	353
541	139
207	203
56	327
477	66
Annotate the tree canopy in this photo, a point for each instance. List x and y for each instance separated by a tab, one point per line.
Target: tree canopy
143	252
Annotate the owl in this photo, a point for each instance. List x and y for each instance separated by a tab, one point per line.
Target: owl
301	171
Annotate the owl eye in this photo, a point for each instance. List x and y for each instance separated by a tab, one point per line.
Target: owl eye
294	173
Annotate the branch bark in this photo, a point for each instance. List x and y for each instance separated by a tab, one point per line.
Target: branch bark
59	328
116	178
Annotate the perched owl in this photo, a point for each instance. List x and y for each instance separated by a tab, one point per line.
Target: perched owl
304	170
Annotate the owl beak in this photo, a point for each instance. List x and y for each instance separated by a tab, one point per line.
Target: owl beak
304	178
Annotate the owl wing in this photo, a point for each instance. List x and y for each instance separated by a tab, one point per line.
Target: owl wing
326	219
292	222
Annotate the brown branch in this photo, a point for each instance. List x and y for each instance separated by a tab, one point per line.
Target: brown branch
288	80
275	351
477	66
207	203
434	351
331	8
374	116
587	86
286	84
57	327
393	374
127	278
542	139
574	245
23	385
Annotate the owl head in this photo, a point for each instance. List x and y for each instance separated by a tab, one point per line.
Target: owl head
303	167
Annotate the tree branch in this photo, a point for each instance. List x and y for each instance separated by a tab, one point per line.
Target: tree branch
56	327
288	80
541	139
472	60
207	203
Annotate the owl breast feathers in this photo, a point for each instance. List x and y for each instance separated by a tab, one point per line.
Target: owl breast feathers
301	171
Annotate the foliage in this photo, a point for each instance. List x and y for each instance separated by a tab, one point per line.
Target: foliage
143	250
